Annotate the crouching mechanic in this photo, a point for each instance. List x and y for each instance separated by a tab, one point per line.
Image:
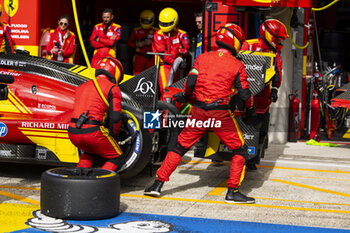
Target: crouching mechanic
209	88
90	129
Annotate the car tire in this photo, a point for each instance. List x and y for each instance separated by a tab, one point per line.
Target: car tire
167	136
80	193
138	152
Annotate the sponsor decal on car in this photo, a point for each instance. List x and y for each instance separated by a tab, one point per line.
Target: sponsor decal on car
3	129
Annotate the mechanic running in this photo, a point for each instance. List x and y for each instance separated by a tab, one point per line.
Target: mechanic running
272	34
104	37
6	41
61	46
141	40
169	40
94	125
209	88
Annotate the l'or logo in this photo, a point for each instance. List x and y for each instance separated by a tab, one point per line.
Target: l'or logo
11	7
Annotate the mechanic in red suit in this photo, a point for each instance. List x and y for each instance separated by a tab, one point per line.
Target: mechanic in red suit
209	88
6	41
141	40
61	46
169	40
104	37
272	34
90	129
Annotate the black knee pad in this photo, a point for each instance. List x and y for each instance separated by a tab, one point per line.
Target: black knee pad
178	149
243	151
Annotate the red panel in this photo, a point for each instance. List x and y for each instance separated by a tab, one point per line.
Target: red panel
219	17
24	29
267	3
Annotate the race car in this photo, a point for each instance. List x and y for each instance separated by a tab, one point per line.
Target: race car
36	100
37	96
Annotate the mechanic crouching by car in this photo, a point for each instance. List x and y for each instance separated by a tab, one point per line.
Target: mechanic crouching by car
90	129
272	34
209	88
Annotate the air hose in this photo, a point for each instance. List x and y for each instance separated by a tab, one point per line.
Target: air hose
325	7
85	54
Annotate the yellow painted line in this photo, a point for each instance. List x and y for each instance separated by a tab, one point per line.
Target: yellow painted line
220	189
320	178
272	167
17	187
304	169
20	198
311	187
205	162
222	202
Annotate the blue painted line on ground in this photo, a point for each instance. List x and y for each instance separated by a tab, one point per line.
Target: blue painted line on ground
134	222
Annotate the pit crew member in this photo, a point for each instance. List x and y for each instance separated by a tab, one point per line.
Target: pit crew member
6	42
94	125
169	39
141	40
104	37
61	46
272	34
209	88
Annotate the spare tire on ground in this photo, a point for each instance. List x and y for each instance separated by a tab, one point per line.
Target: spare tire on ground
80	193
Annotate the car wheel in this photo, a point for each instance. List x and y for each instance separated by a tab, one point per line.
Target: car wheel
137	152
80	193
167	136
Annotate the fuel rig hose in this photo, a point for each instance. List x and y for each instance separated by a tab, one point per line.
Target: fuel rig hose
85	54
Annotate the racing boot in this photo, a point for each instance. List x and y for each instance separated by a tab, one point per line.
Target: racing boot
155	189
235	196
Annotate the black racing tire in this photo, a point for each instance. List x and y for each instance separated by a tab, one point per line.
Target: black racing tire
167	136
138	152
80	193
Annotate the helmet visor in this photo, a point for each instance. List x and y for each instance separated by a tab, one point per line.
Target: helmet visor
146	21
162	24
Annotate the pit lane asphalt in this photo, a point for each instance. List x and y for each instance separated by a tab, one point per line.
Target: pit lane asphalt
295	185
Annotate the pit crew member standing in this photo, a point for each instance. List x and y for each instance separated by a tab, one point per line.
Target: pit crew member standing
141	40
272	34
6	42
104	37
61	46
169	40
209	88
90	129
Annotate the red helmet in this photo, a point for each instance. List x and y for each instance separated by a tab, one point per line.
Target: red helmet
231	36
110	67
274	32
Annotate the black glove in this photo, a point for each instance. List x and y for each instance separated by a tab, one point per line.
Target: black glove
274	94
251	117
180	97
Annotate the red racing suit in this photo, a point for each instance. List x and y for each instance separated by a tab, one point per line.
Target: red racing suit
209	87
104	39
262	100
175	43
66	41
6	41
142	61
93	137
